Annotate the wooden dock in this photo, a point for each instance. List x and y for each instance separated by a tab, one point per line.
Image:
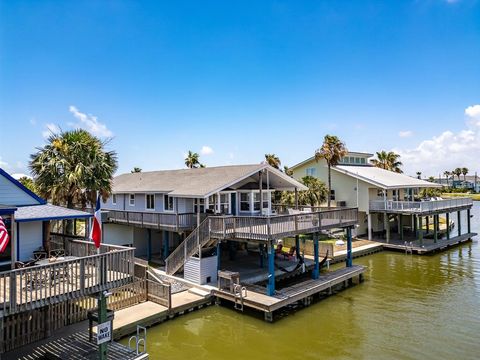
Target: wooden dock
299	292
429	246
78	347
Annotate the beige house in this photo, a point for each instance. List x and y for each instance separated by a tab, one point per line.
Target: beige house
387	201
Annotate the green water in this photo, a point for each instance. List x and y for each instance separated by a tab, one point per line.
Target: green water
409	307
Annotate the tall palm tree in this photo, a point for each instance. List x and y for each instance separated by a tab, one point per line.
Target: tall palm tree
447	174
71	168
273	160
419	175
192	161
388	161
464	173
136	170
332	150
316	194
458	172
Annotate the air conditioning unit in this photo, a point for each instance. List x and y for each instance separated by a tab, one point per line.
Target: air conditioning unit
341	204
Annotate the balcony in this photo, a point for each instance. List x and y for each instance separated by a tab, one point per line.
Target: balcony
421	207
154	220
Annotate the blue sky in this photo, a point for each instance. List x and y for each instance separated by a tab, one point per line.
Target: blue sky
243	78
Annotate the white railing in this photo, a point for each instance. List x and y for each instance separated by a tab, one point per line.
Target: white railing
420	206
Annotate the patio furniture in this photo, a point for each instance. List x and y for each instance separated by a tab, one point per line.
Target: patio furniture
39	255
57	253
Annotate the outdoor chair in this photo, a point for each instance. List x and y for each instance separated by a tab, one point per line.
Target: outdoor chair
57	253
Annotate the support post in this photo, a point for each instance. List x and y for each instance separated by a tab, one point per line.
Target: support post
369	226
271	269
420	230
102	317
435	228
386	223
415	225
218	255
459	220
149	244
316	268
349	261
297	246
448	225
166	245
296	198
427	224
469	228
400	226
262	251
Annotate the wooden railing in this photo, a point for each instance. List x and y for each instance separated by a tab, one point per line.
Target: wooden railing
190	246
420	206
159	293
261	228
165	221
86	274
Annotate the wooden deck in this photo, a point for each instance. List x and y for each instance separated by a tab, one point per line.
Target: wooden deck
153	220
78	347
294	293
429	246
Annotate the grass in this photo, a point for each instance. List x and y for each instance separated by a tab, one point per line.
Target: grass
453	195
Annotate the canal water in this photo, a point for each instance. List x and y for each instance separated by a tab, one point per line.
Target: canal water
409	307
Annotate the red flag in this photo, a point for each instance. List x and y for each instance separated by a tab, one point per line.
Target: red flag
4	237
96	234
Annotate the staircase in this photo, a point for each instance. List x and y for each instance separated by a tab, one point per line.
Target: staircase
197	239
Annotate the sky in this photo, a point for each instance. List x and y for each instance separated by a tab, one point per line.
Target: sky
233	80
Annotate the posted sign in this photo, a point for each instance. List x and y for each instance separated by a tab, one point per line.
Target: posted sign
104	332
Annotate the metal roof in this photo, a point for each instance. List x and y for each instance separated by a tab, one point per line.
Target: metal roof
350	153
201	182
383	178
47	212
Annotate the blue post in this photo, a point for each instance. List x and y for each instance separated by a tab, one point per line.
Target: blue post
271	270
166	245
149	244
218	255
316	268
349	247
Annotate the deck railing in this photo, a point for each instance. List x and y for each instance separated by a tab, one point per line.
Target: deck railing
168	221
420	206
86	274
260	228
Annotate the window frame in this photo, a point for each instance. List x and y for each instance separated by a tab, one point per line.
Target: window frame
248	194
114	199
199	202
146	202
131	197
166	203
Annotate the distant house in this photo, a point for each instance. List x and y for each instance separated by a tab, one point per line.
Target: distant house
470	182
25	215
386	200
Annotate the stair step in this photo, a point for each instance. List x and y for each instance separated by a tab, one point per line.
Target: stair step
199	292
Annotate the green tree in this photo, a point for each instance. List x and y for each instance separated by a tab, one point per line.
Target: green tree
458	172
71	168
388	161
431	179
332	150
287	171
192	161
316	194
273	160
28	183
447	175
464	173
419	175
136	170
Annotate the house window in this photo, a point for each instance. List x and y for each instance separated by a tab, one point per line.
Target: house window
379	193
265	197
245	201
256	201
332	194
363	161
131	200
167	203
199	203
357	160
310	171
225	203
150	201
114	199
395	195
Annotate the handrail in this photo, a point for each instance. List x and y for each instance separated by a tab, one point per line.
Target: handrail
175	221
420	206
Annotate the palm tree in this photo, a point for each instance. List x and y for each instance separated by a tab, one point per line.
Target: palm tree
273	160
332	150
464	173
458	172
419	175
287	171
388	161
192	161
28	183
447	174
71	168
316	194
136	170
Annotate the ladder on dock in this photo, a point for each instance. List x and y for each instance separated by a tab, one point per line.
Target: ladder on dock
408	248
140	340
239	292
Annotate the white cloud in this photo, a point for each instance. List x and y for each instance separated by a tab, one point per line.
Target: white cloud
3	163
50	129
90	123
206	150
473	111
405	134
447	150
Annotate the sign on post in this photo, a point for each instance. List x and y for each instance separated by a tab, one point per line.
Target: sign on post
104	332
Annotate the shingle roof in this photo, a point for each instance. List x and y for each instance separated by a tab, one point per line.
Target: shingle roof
197	182
47	212
383	178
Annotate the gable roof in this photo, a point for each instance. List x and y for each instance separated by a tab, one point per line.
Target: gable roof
350	153
200	182
13	192
382	178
